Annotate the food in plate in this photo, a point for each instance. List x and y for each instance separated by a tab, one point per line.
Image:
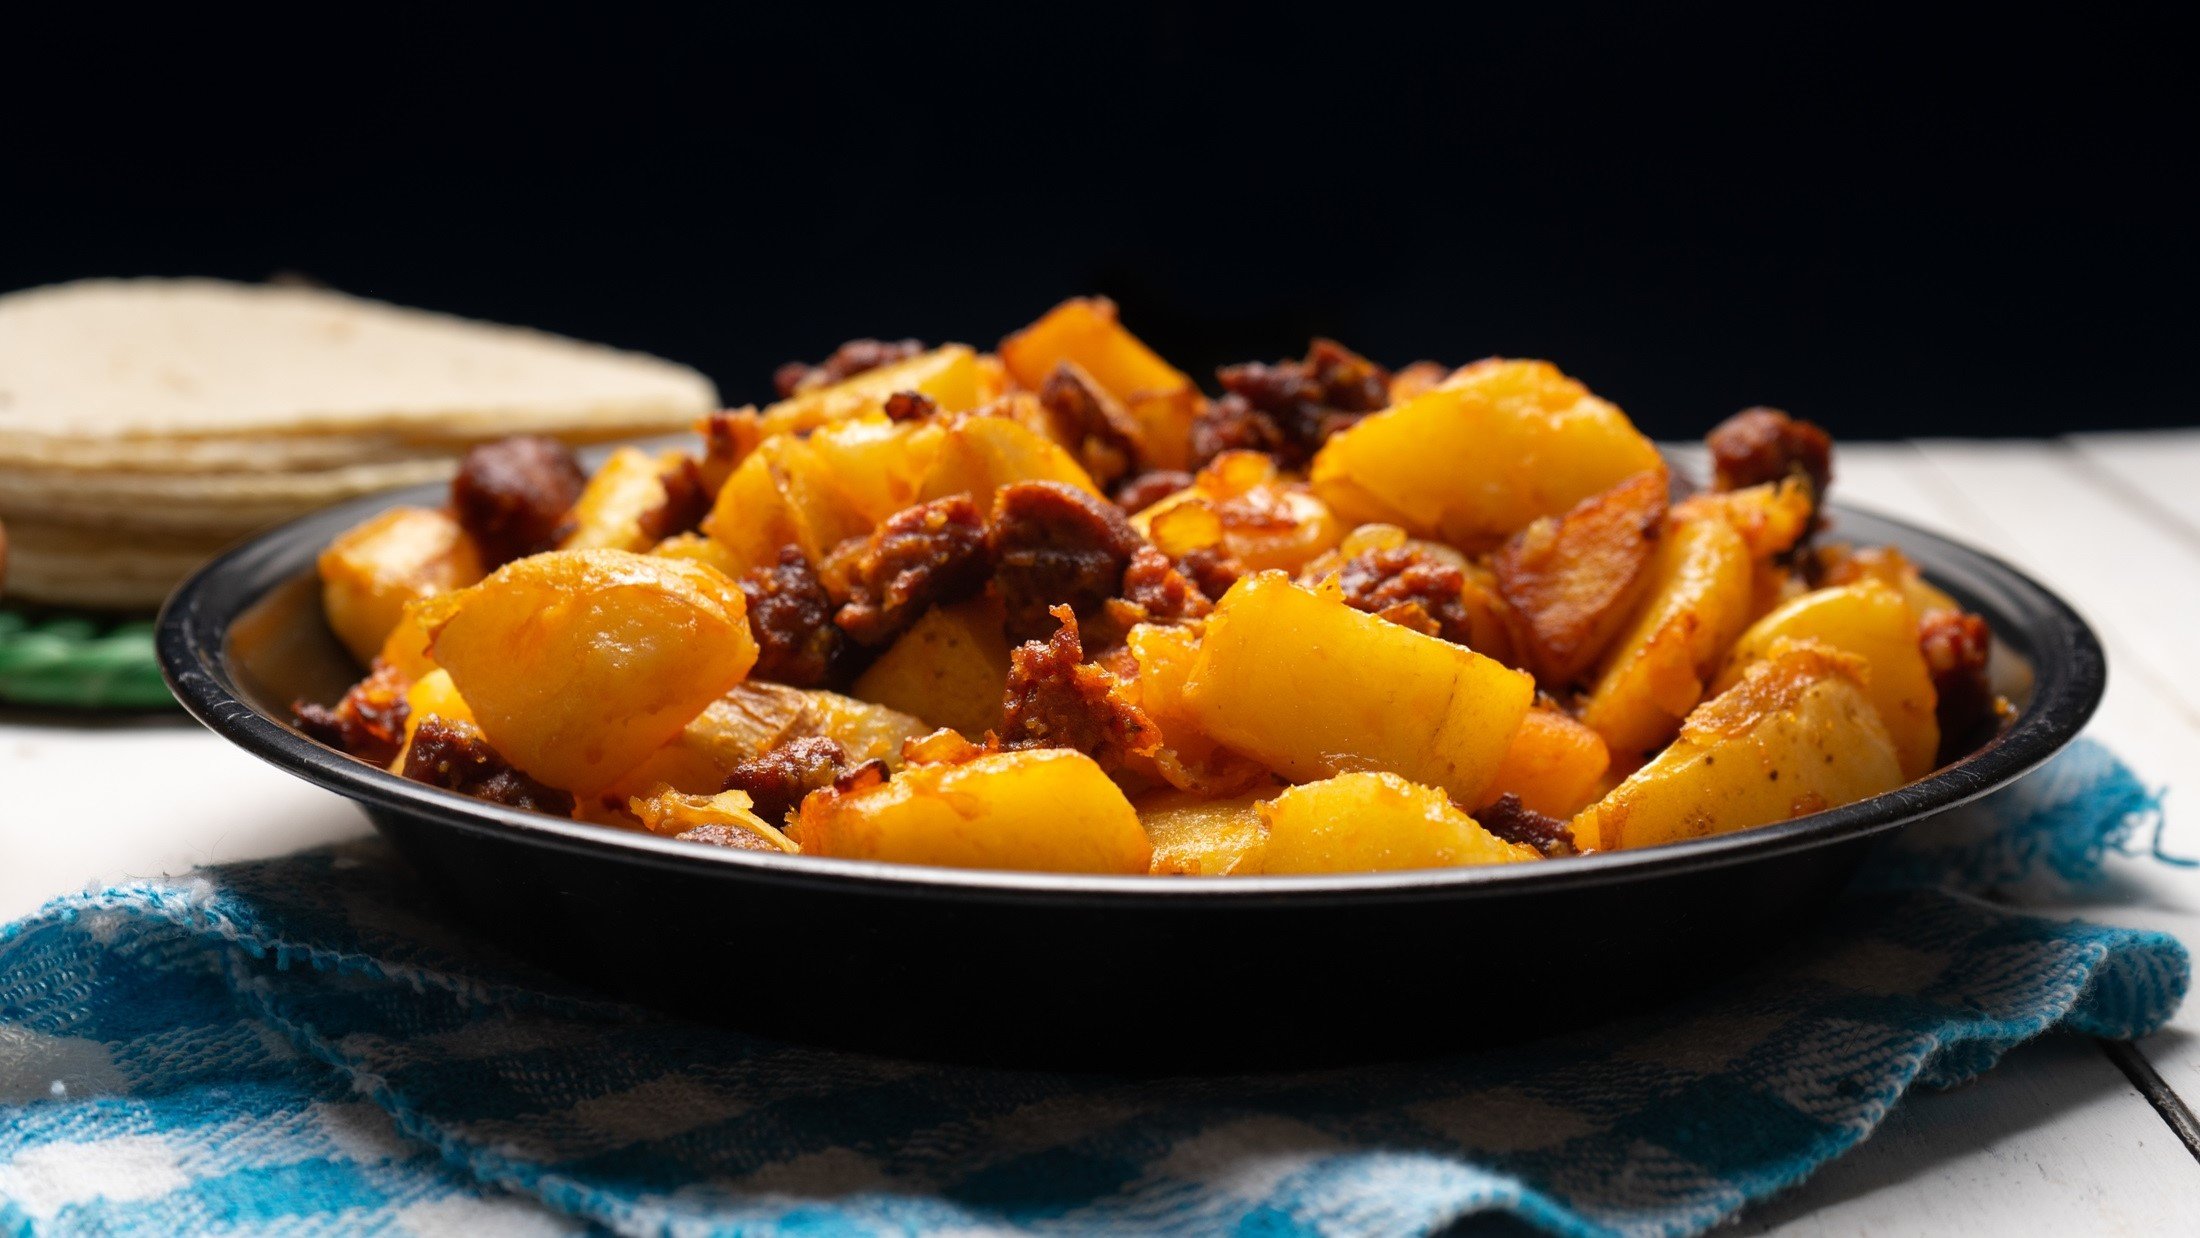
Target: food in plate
147	423
1054	607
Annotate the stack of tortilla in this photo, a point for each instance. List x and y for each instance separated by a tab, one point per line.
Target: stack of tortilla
145	424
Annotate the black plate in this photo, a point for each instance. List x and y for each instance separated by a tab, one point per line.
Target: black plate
1100	969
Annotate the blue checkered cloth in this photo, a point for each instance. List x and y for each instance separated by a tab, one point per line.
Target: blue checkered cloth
298	1046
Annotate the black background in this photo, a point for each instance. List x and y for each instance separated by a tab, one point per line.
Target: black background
1895	224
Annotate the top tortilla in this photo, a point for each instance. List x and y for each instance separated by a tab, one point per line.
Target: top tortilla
149	359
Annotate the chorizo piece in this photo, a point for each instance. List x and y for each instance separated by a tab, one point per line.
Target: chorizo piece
511	496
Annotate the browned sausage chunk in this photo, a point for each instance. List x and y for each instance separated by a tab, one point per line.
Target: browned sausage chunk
791	617
1759	445
1957	645
933	552
1057	700
1054	544
458	759
1409	587
847	361
777	780
512	496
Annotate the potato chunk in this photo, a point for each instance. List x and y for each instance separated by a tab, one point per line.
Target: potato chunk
1573	579
670	813
755	717
1795	735
1875	623
616	506
373	569
1195	836
948	376
1042	809
950	669
979	455
783	494
1313	687
1367	822
1554	764
1086	332
580	663
1495	446
1699	601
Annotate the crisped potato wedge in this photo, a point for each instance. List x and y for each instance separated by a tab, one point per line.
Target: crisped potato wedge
1197	836
949	669
1875	623
1795	735
580	663
1086	331
1366	822
1312	687
370	572
615	510
1699	600
949	376
1573	580
783	494
979	455
1044	809
1554	764
1495	446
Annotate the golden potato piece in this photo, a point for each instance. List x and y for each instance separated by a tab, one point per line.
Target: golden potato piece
950	668
1043	809
1312	687
781	495
1875	623
1573	580
1699	601
1086	331
580	663
1368	822
948	376
370	572
1495	446
1795	735
1189	758
1195	836
979	455
616	507
876	464
1554	764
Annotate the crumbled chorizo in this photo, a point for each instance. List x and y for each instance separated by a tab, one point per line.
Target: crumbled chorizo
791	617
1211	568
686	501
369	723
932	552
457	758
1055	700
1055	544
1411	588
847	361
511	496
1138	493
1759	445
732	837
1957	646
1301	402
1161	590
1515	822
872	773
909	406
1233	424
1094	425
777	780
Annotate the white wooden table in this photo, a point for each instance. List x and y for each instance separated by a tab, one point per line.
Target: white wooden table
2068	1136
